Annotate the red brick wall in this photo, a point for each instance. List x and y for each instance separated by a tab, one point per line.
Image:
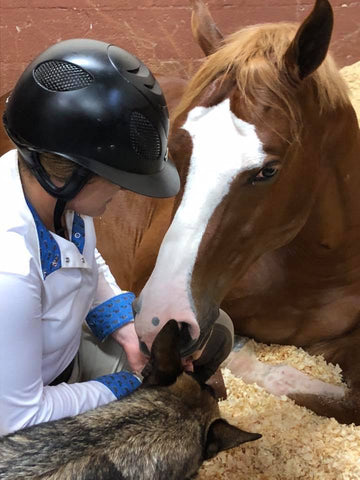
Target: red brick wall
157	31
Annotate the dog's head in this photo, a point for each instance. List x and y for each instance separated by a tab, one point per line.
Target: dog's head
165	369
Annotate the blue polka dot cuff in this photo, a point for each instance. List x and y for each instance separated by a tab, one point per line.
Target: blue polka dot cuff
111	315
120	383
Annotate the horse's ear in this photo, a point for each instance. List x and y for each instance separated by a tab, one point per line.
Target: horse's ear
310	45
222	436
204	28
165	361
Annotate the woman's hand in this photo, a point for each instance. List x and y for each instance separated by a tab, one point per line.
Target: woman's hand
127	338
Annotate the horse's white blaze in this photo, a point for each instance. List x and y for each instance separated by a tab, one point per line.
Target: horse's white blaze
223	147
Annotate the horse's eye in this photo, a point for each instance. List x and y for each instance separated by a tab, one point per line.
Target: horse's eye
266	173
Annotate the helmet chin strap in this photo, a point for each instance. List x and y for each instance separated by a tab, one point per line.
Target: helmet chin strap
58	211
66	192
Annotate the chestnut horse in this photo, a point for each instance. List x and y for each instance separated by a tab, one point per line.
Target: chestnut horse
267	225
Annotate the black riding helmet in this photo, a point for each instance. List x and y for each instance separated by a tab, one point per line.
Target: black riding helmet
98	106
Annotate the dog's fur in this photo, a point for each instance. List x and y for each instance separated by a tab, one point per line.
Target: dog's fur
162	431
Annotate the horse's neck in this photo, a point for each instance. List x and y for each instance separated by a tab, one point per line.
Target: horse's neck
332	230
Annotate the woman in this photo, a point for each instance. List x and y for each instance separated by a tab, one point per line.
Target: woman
87	119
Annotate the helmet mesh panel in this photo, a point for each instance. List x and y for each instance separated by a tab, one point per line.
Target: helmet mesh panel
144	138
59	76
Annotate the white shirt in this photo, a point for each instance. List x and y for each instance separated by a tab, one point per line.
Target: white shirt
47	288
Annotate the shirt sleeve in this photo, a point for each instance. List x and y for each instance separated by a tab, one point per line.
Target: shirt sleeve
24	400
112	307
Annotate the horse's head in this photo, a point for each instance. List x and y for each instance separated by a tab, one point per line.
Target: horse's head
249	137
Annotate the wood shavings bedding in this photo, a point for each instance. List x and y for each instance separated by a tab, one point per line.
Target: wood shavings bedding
296	443
351	74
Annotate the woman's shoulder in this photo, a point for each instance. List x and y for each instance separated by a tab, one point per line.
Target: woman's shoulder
16	256
18	246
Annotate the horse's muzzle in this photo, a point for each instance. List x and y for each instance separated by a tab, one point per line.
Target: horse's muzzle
187	345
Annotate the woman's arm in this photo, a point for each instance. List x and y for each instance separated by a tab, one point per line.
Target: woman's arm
24	400
113	315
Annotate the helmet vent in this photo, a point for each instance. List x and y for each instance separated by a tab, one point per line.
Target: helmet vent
133	70
60	76
144	138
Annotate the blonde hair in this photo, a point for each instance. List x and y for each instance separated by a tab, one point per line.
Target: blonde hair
57	167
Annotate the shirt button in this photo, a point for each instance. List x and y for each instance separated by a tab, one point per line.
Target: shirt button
67	259
83	259
77	235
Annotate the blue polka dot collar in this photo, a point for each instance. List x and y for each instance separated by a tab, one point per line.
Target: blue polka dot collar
49	249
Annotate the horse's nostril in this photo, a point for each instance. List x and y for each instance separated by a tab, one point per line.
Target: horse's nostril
187	344
144	349
136	306
184	334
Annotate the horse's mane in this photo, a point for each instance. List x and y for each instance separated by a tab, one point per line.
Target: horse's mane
255	55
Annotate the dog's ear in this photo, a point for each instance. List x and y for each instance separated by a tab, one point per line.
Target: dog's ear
165	361
222	436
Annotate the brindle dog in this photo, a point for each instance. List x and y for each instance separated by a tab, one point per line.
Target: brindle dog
162	431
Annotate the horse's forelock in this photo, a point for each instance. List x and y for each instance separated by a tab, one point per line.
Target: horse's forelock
255	57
